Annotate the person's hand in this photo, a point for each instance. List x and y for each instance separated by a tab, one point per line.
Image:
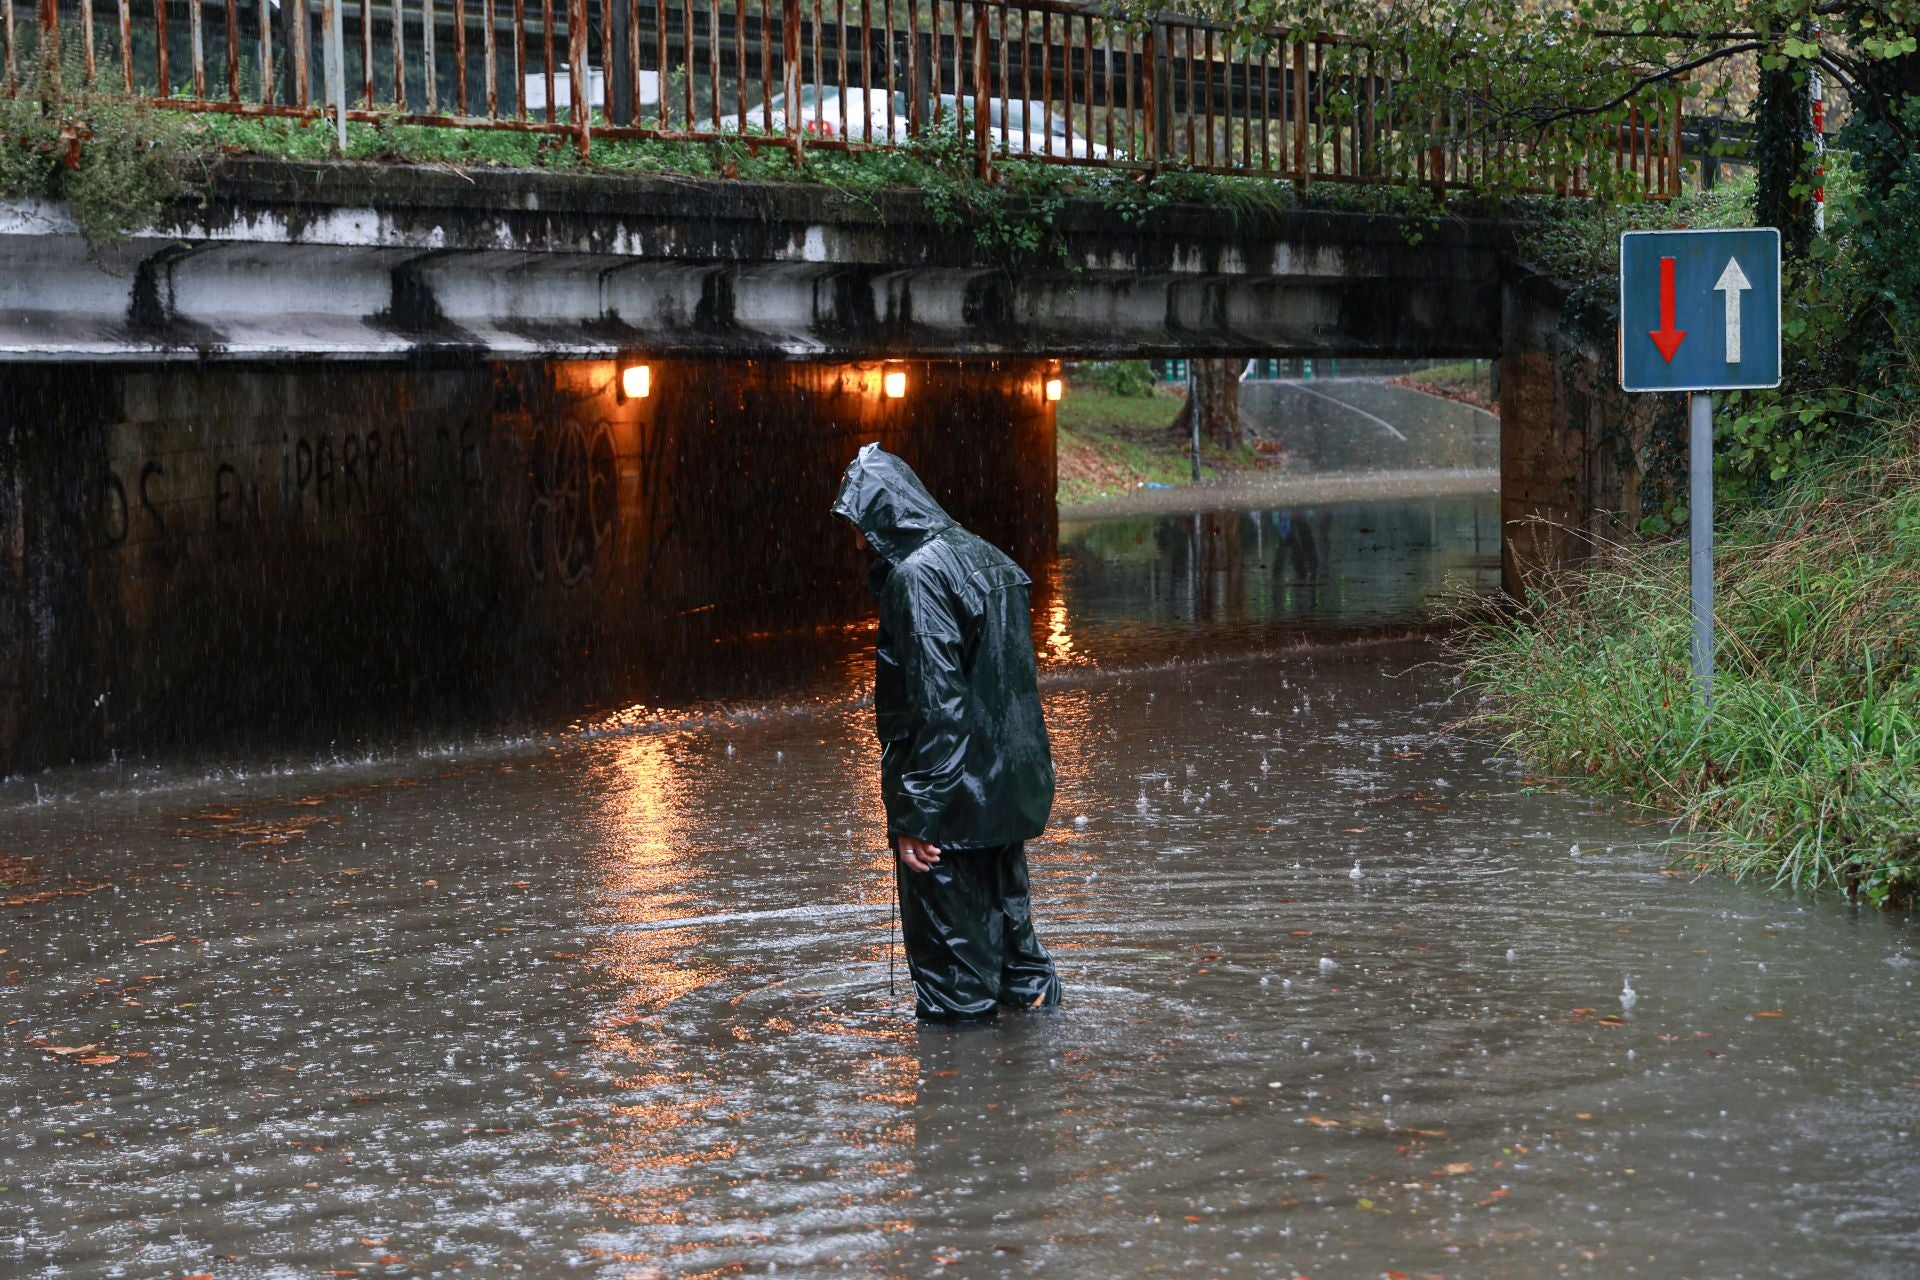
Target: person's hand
917	854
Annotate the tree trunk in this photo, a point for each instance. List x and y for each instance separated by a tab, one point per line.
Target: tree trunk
1216	398
1783	192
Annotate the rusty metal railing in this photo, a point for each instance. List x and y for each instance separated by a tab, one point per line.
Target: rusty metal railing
1033	80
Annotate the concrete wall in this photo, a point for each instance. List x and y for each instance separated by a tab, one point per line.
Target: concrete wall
1580	460
257	552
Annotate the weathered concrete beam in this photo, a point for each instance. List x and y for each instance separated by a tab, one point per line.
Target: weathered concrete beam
359	261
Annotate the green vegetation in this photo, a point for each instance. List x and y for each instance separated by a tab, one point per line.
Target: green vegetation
1115	435
1014	217
1807	773
114	162
1550	84
1130	378
1468	381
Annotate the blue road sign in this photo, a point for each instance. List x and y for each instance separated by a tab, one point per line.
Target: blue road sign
1699	310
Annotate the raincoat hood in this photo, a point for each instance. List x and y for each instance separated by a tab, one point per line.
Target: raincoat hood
881	495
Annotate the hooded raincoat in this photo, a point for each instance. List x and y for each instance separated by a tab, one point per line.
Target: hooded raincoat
964	756
964	761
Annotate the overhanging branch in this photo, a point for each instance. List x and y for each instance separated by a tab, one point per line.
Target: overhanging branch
1652	78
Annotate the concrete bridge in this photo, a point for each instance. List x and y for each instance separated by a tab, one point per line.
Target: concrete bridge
347	261
348	435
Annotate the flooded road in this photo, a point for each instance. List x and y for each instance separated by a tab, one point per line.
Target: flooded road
1346	995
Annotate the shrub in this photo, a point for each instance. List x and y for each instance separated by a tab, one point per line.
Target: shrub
1116	377
115	161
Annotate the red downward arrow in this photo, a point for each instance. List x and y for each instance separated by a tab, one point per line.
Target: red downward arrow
1666	337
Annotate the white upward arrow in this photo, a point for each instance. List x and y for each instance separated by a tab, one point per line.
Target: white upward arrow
1733	282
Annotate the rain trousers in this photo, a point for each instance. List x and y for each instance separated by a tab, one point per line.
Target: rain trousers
964	762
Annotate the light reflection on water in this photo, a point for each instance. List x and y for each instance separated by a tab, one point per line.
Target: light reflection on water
617	1003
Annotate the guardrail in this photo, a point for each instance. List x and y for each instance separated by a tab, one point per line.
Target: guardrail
1026	79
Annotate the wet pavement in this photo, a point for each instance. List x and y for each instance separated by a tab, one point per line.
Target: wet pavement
1343	425
1346	995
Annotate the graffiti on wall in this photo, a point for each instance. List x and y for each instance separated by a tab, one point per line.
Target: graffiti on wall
168	487
573	502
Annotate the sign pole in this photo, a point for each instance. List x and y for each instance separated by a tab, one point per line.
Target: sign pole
1700	313
1700	539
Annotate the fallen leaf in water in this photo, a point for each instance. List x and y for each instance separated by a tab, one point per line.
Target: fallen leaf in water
99	1059
48	895
1322	1122
65	1052
154	942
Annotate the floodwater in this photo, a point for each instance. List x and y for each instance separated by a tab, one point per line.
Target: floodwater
1345	994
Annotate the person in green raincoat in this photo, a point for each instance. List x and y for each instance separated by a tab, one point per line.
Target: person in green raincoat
965	769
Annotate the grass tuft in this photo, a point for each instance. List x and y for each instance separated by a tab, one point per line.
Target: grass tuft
1807	773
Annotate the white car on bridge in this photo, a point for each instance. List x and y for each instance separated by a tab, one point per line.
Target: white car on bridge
1015	126
1027	126
861	116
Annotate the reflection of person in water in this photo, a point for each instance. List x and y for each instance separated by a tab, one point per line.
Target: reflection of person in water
988	1139
1299	546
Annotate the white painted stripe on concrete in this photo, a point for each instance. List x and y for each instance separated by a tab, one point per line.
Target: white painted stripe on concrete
1352	408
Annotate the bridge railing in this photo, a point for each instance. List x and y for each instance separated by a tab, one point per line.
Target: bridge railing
1033	80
